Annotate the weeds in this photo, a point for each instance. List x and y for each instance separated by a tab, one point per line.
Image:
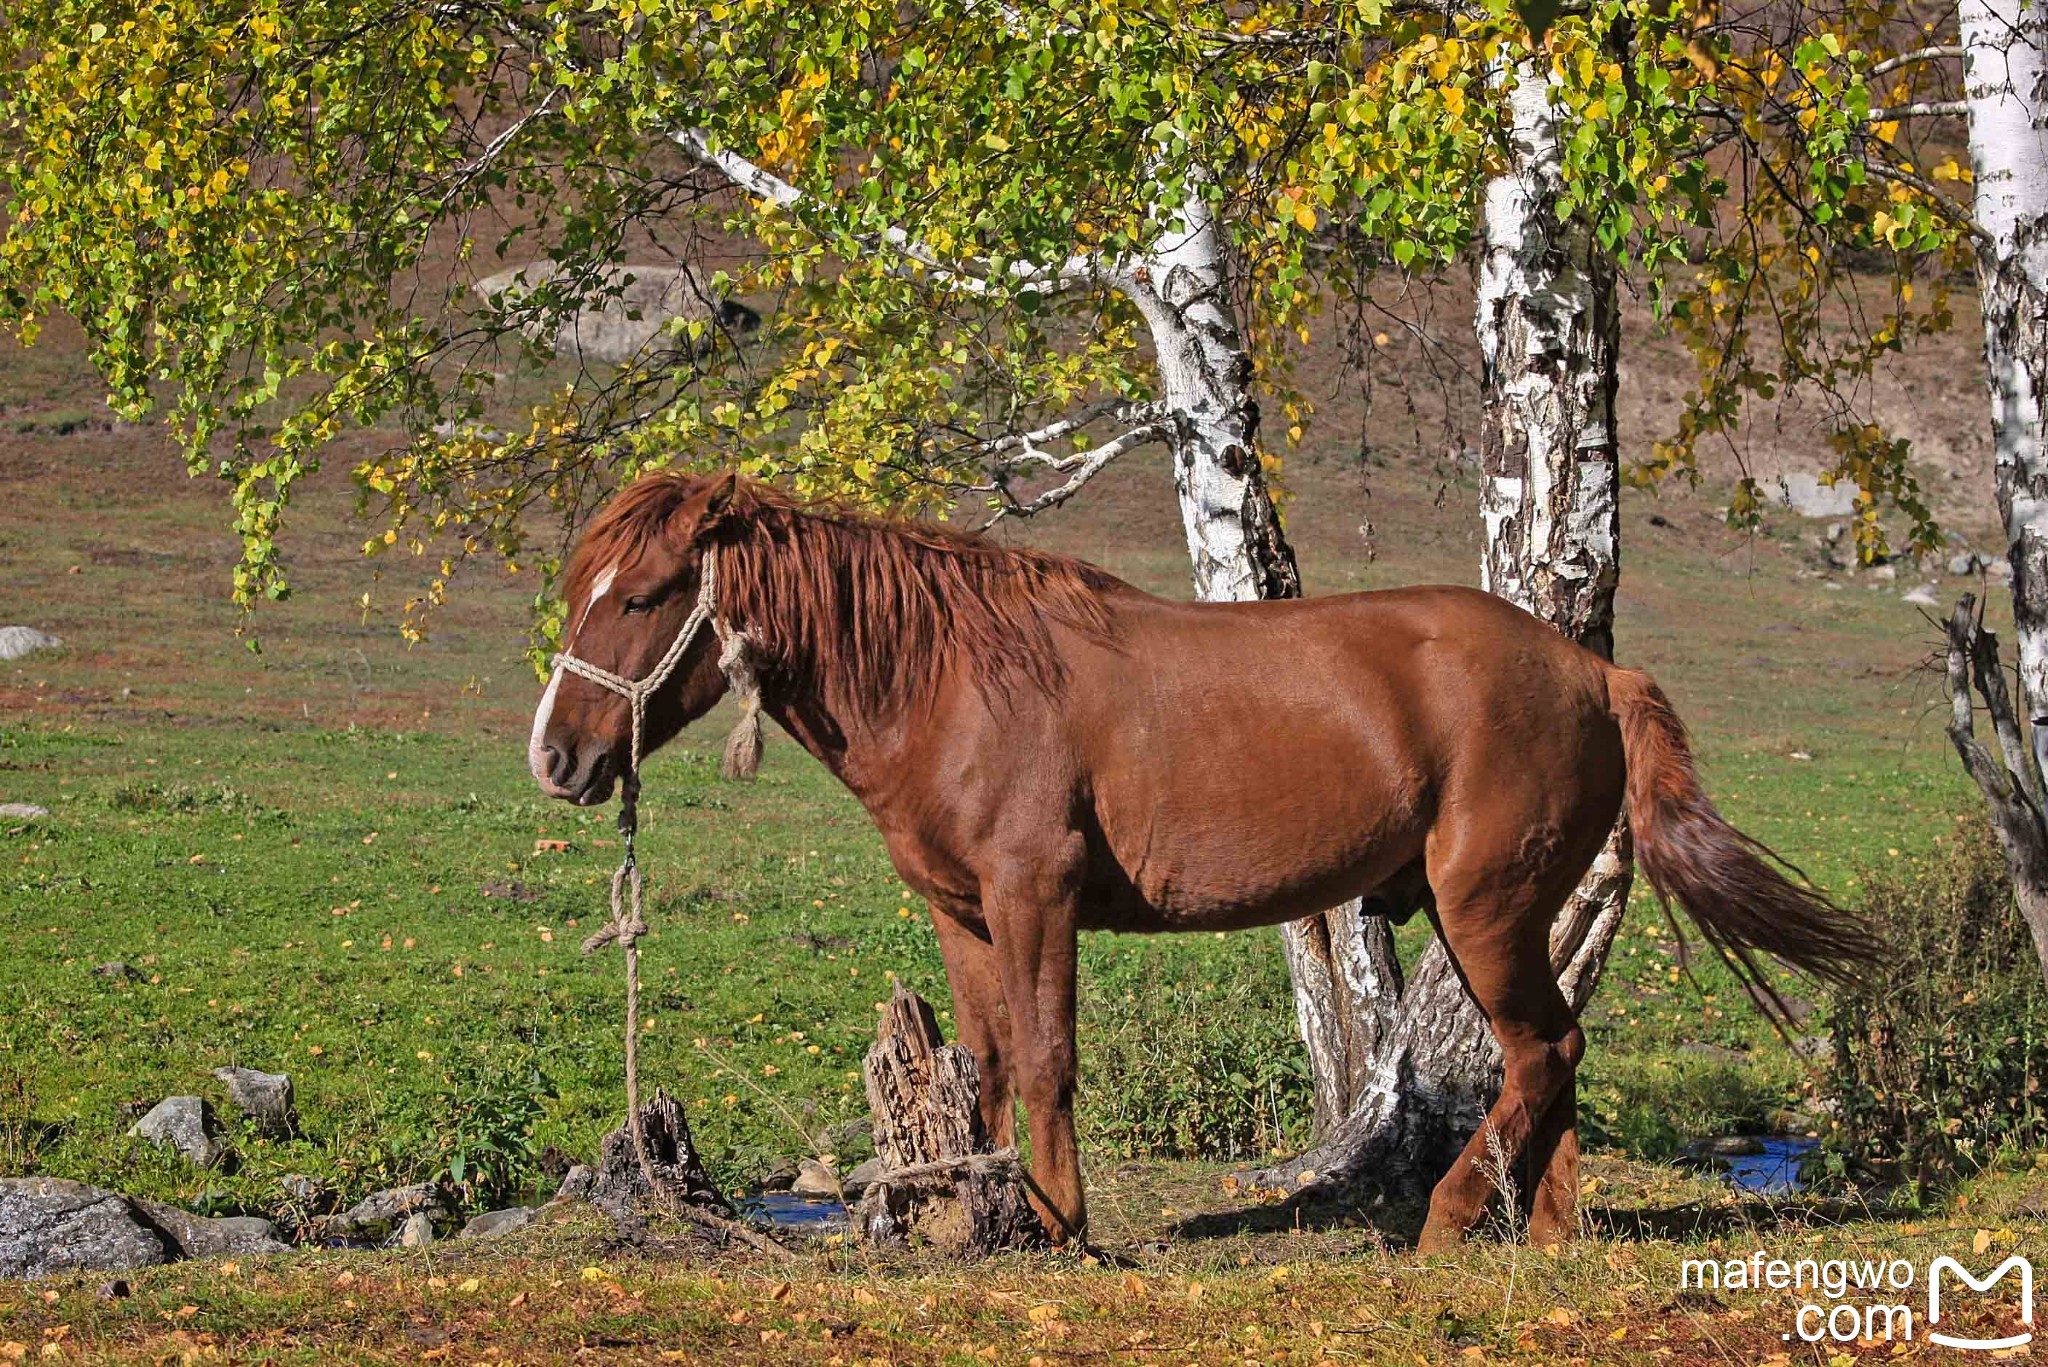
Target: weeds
1939	1059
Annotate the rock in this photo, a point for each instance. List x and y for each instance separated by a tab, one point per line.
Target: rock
265	1098
1732	1146
49	1225
861	1178
1834	532
417	1231
2000	569
307	1193
631	319
116	971
815	1179
22	811
578	1184
18	643
195	1236
1884	572
1713	1053
1807	496
1921	595
184	1123
782	1176
378	1214
494	1223
1969	562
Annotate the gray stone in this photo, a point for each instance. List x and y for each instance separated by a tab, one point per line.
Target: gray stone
1884	572
578	1184
2000	569
377	1214
417	1231
1807	496
1733	1146
195	1236
609	331
1921	595
116	971
49	1225
18	643
862	1177
493	1223
815	1179
781	1176
22	811
184	1123
1969	562
307	1193
265	1098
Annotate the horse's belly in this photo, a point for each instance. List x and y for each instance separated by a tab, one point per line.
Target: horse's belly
1246	878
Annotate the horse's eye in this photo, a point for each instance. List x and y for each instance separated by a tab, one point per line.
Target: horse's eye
639	603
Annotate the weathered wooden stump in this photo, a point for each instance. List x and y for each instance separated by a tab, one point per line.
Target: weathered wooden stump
943	1182
670	1151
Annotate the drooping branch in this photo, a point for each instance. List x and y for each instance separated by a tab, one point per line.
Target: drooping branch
972	276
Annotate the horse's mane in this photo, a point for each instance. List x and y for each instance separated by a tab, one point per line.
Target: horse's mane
876	609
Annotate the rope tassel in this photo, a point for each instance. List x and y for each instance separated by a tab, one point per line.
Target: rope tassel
743	747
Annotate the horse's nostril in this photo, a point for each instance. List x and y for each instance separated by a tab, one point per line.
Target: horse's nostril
560	765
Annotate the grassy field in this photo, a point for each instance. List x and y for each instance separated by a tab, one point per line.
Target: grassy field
327	858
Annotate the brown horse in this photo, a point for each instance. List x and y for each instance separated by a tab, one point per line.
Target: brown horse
1048	750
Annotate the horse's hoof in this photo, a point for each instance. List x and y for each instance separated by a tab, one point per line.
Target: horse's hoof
1437	1239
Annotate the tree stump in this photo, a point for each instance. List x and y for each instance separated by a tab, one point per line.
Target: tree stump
943	1183
671	1151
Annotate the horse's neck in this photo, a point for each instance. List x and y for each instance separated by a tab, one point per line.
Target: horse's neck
858	750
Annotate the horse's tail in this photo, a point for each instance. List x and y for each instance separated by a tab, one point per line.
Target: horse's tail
1727	882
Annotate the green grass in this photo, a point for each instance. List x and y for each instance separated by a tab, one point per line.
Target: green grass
321	857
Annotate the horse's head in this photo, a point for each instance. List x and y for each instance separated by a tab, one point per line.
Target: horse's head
632	585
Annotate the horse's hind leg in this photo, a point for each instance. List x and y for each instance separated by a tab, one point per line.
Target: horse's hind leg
1496	928
981	1020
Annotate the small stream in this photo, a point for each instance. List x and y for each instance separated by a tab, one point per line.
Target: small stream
1775	1169
815	1215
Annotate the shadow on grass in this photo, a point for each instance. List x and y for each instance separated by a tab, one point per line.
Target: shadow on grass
1399	1224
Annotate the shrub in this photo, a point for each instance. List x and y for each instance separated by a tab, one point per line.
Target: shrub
1938	1059
1194	1069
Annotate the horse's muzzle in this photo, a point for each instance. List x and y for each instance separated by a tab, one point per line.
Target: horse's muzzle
561	775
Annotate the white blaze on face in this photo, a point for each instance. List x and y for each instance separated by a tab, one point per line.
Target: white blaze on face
536	743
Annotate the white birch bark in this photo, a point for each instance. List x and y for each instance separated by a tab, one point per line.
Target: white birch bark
2005	81
1547	323
2004	70
1345	976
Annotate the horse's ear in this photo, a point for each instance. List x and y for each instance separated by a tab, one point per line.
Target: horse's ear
707	511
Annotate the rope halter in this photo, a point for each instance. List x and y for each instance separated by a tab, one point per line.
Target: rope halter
736	661
638	692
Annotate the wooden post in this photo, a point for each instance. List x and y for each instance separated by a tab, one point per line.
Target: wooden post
943	1182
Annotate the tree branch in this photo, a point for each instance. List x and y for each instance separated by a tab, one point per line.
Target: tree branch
1079	269
1924	109
1918	54
1152	425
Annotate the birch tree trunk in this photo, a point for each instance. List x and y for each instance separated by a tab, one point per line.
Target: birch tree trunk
2005	74
1548	330
1345	976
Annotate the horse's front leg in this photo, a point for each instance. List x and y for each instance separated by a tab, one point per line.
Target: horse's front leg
1032	912
981	1019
